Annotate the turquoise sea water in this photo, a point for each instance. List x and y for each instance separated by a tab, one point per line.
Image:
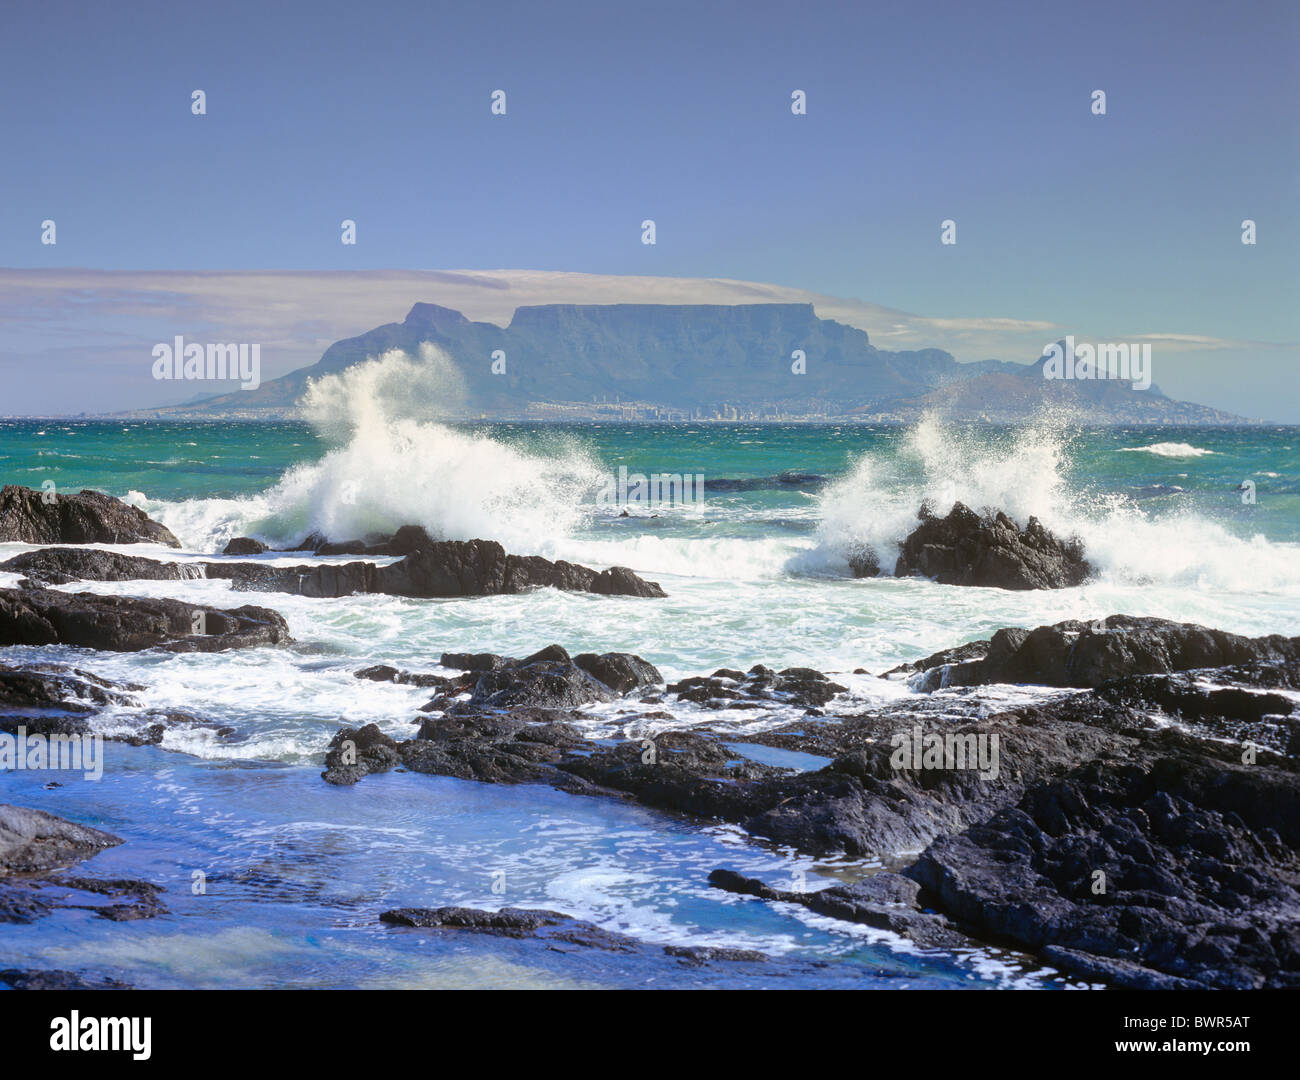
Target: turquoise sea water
299	870
225	460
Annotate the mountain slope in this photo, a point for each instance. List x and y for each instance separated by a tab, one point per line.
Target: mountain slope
706	360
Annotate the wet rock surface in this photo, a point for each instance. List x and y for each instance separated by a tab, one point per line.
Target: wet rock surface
1177	870
60	699
385	673
60	565
437	569
32	841
34	845
442	569
966	548
132	623
553	926
728	688
244	545
30	979
40	686
1088	654
885	901
28	516
1198	839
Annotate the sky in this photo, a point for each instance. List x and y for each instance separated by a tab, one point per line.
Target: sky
1123	226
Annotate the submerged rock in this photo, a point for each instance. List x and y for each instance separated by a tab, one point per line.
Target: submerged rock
56	979
32	841
883	900
554	926
967	549
89	517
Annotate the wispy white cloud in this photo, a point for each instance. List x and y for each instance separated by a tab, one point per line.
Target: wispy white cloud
90	332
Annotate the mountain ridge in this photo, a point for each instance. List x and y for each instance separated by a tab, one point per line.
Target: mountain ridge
701	361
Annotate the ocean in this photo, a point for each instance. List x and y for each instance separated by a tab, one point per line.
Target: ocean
1194	524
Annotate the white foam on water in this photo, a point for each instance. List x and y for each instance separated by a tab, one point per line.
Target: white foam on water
1027	473
1167	449
391	465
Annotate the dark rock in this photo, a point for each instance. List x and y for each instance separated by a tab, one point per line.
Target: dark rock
521	748
974	650
57	699
59	724
1121	973
966	549
32	841
357	752
384	673
761	686
60	565
553	926
621	672
141	897
885	901
863	562
59	686
1200	851
540	684
709	954
513	923
1199	857
312	542
1087	654
29	979
440	569
509	921
85	518
620	581
132	623
347	547
407	539
473	661
556	653
244	545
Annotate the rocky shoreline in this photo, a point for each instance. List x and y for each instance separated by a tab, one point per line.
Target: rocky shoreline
1138	825
1143	830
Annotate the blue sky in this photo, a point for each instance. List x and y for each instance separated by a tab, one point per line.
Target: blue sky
1128	223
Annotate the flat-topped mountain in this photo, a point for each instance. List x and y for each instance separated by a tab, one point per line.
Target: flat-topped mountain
662	361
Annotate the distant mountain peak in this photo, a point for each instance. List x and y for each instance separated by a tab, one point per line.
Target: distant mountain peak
434	315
